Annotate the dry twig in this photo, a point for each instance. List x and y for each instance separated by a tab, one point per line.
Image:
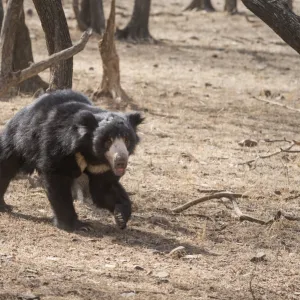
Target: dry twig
242	217
281	150
206	198
277	104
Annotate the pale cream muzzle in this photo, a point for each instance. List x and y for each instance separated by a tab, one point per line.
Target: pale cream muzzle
117	156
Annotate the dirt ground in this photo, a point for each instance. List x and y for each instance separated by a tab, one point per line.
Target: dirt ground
198	88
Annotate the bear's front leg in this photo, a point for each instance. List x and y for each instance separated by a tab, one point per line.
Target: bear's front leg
58	188
111	195
122	211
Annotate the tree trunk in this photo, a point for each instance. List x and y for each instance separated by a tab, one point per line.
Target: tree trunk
57	35
137	28
110	85
278	16
97	16
8	33
91	15
231	6
22	57
1	14
290	4
201	5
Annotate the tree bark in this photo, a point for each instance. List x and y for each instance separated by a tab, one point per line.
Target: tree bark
1	14
278	16
22	57
91	15
8	34
201	5
137	29
231	6
57	35
110	85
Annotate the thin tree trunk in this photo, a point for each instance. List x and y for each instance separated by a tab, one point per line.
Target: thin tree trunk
91	14
201	5
110	85
8	33
290	4
1	14
231	6
138	27
57	35
97	16
278	16
23	57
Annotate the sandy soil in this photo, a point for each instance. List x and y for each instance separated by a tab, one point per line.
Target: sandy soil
198	88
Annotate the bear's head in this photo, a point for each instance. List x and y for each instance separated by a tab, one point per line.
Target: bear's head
115	138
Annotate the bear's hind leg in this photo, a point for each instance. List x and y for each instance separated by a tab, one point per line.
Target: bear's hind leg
59	193
8	170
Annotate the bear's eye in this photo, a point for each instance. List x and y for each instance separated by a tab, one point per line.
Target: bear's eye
108	143
127	142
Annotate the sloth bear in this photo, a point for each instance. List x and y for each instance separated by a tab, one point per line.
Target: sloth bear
63	136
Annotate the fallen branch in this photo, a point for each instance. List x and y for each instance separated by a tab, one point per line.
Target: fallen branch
206	198
277	104
242	217
15	78
281	150
278	141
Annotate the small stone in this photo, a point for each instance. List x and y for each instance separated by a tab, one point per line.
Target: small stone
194	256
52	258
110	266
248	143
128	294
139	268
161	274
260	256
28	296
159	220
178	252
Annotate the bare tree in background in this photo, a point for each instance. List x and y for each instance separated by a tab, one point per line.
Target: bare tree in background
1	14
110	85
278	16
137	29
231	6
200	5
23	57
89	14
9	77
57	35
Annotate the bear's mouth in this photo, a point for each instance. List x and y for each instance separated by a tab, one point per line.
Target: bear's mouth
117	156
119	171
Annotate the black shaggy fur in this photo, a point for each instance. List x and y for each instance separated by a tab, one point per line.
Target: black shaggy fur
46	135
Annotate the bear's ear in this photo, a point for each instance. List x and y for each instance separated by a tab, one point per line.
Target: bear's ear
135	119
85	122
